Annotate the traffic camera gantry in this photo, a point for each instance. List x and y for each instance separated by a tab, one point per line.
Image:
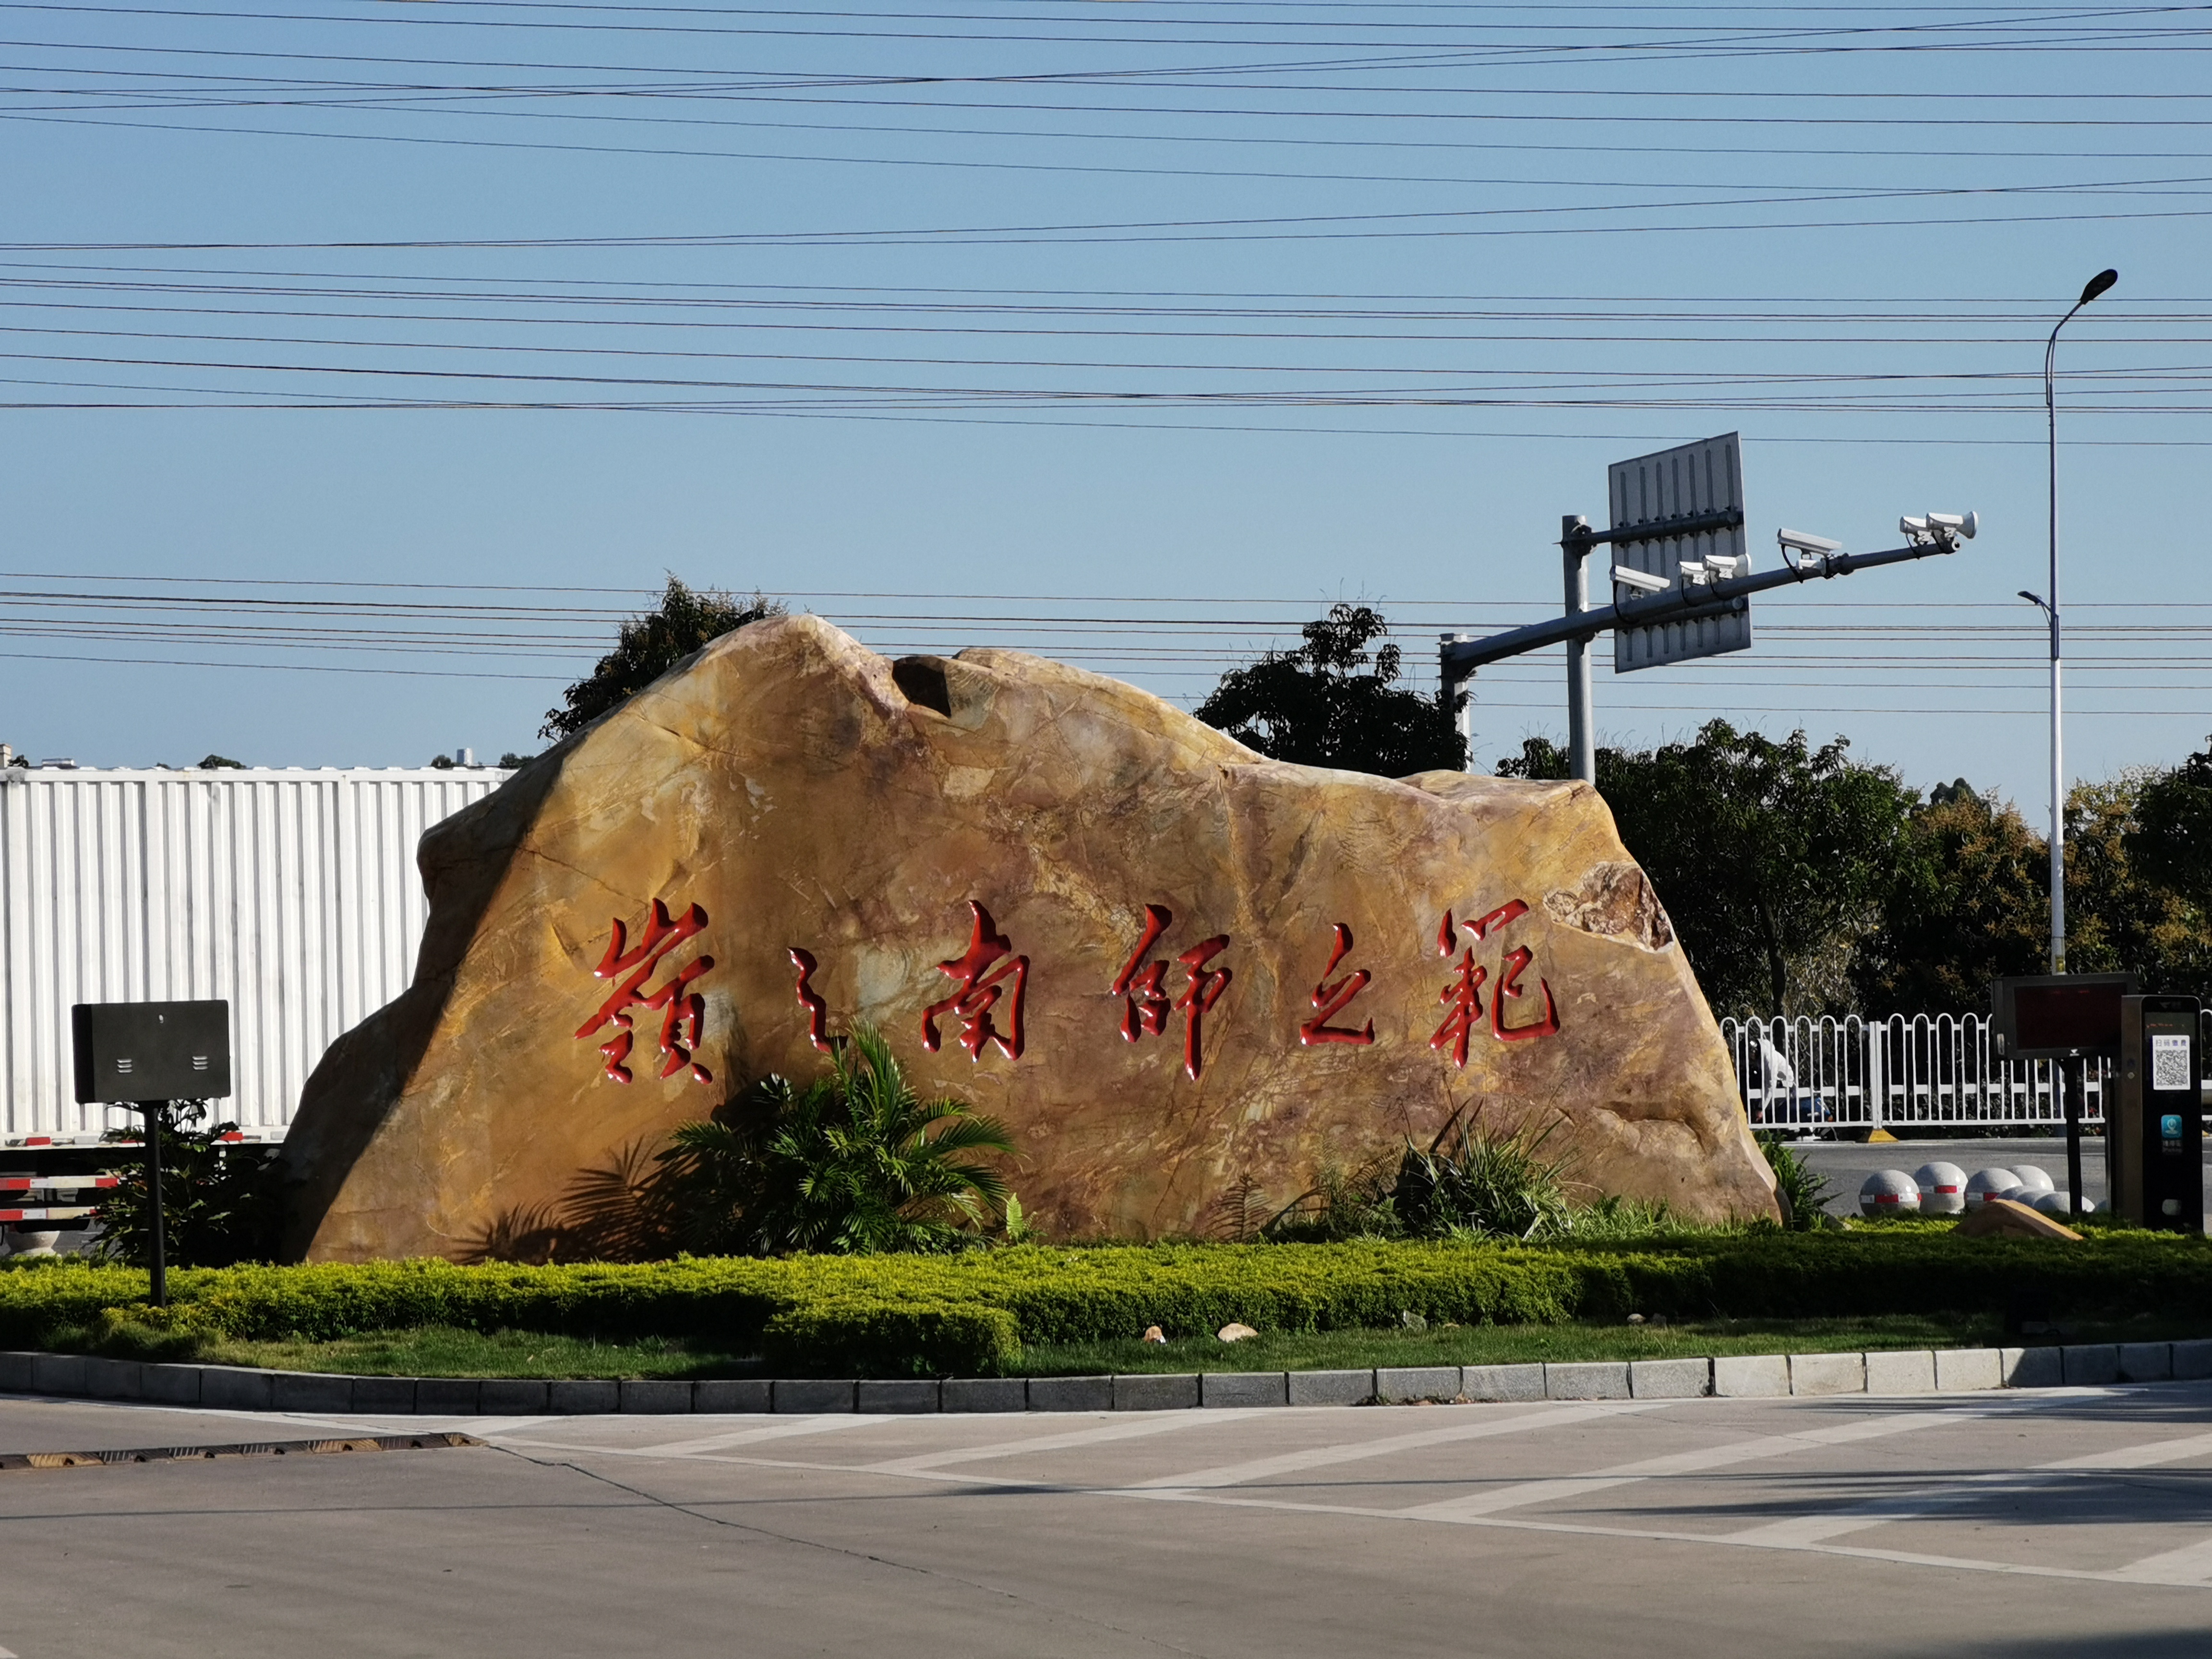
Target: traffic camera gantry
1682	578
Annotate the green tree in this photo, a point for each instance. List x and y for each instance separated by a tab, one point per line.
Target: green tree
647	647
222	1200
2171	839
1316	706
854	1162
1972	900
1774	860
2119	915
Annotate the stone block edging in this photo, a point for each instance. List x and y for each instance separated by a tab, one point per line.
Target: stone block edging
1878	1372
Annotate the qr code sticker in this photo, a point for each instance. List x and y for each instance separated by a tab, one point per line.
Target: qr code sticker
2169	1063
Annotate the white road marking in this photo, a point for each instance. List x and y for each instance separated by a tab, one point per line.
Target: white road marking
1666	1535
1688	1462
1803	1529
1258	1468
2148	1455
1149	1423
2189	1565
482	1426
706	1447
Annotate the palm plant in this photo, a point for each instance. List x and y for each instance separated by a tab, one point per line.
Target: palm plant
852	1163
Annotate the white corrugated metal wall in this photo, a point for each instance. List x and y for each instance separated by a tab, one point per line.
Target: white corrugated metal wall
292	894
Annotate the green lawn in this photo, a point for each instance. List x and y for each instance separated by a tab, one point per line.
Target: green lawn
443	1351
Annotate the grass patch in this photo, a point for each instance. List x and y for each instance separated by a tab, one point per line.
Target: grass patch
1508	1345
443	1350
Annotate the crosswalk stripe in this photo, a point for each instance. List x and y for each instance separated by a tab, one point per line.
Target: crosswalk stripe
1881	1511
1688	1462
1150	1423
1258	1468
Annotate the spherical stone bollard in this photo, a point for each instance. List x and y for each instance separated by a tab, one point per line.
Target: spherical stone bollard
1942	1188
1889	1191
1987	1184
2035	1180
2053	1203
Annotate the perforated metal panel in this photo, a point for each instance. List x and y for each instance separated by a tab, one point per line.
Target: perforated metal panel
1706	477
292	894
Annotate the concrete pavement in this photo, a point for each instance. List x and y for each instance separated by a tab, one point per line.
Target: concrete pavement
2065	1521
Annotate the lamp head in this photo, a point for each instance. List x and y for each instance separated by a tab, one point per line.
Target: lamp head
2097	284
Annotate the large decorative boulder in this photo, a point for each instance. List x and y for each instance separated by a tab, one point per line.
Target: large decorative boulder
1187	977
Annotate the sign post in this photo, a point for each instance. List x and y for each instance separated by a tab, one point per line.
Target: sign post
2065	1018
147	1055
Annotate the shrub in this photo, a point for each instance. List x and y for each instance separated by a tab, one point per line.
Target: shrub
866	1336
1802	1189
1343	1204
968	1311
1495	1186
853	1163
221	1200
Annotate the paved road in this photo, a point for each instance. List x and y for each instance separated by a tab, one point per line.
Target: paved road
2033	1525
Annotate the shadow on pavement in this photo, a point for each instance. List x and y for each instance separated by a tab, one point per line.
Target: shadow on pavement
2181	1641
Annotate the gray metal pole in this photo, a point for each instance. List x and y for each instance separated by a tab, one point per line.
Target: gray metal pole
158	1262
1582	745
2058	718
2096	285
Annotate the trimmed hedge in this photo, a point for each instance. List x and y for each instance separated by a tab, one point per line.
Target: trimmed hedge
862	1336
898	1314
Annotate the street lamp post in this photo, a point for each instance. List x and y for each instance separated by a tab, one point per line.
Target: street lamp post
2096	285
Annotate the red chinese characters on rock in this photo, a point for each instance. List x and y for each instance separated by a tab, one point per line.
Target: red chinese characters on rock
683	1011
1463	995
1331	999
984	973
1146	1003
818	1010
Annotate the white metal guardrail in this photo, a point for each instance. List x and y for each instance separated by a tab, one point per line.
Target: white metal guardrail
1894	1072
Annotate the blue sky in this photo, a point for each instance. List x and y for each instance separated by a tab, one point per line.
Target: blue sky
1131	333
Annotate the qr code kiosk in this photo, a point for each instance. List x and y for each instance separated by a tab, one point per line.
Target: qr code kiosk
2158	1146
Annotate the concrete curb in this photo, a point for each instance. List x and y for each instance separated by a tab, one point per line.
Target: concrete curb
1892	1371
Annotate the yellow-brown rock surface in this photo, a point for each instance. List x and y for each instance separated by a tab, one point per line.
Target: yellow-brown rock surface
788	790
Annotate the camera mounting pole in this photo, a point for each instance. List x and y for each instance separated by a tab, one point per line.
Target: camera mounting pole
1575	545
1729	596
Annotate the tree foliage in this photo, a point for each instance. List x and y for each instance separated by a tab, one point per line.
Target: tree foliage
222	1200
649	645
1774	860
2119	914
1335	702
2170	842
1972	900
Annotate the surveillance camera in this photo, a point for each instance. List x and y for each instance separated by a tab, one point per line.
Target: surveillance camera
1804	552
1694	573
1914	529
1962	525
1726	565
1642	581
1796	541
